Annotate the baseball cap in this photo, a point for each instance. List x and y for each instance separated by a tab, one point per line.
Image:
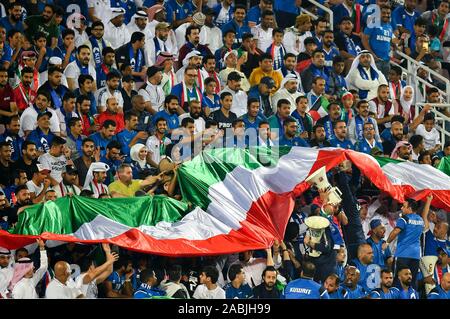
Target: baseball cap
230	52
268	81
71	170
42	169
234	76
49	114
374	223
162	25
151	71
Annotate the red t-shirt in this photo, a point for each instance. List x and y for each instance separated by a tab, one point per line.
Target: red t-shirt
118	118
6	98
24	97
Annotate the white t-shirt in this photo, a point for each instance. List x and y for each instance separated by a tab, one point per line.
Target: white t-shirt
56	290
264	37
72	71
55	164
28	121
154	147
202	292
104	94
211	37
33	188
198	123
153	94
102	8
90	290
430	139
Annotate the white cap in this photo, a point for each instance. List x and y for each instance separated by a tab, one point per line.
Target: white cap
230	52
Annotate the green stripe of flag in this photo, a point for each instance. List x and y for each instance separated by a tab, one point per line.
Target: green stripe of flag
67	214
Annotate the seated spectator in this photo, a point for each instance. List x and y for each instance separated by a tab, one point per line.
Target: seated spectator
316	69
118	284
238	24
368	142
95	177
232	63
356	125
266	69
223	116
263	31
340	134
148	288
55	159
60	287
288	91
354	290
276	120
237	288
304	59
289	137
110	90
364	76
112	114
68	187
158	142
305	121
337	84
141	168
80	66
334	114
42	137
396	84
172	285
211	99
208	288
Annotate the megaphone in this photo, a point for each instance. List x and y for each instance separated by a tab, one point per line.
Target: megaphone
319	180
316	228
427	265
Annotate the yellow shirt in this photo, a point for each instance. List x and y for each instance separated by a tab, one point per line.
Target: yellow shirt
125	190
258	74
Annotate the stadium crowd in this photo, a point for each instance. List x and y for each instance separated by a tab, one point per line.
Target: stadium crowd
106	98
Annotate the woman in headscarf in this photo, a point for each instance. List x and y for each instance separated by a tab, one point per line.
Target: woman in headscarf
141	168
404	105
25	279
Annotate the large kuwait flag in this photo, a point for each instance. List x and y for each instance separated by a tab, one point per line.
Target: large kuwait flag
235	200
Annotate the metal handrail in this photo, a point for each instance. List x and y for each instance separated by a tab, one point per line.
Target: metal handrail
328	10
412	72
309	13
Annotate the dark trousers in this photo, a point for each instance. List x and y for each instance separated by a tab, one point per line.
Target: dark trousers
412	264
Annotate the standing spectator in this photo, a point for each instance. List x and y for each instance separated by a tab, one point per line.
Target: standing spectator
377	40
255	13
356	128
237	288
105	135
129	136
396	84
408	229
339	136
80	66
233	86
25	279
368	142
305	287
60	287
208	288
6	165
39	184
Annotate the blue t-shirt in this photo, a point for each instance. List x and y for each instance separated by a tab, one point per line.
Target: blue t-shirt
379	256
400	17
304	289
259	118
369	275
172	119
329	56
129	6
16	143
411	293
181	11
364	147
408	244
340	293
145	291
213	105
346	144
8	26
232	25
101	142
378	293
254	14
296	141
243	292
286	6
41	140
432	244
380	40
116	281
6	53
72	6
358	293
124	137
439	293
